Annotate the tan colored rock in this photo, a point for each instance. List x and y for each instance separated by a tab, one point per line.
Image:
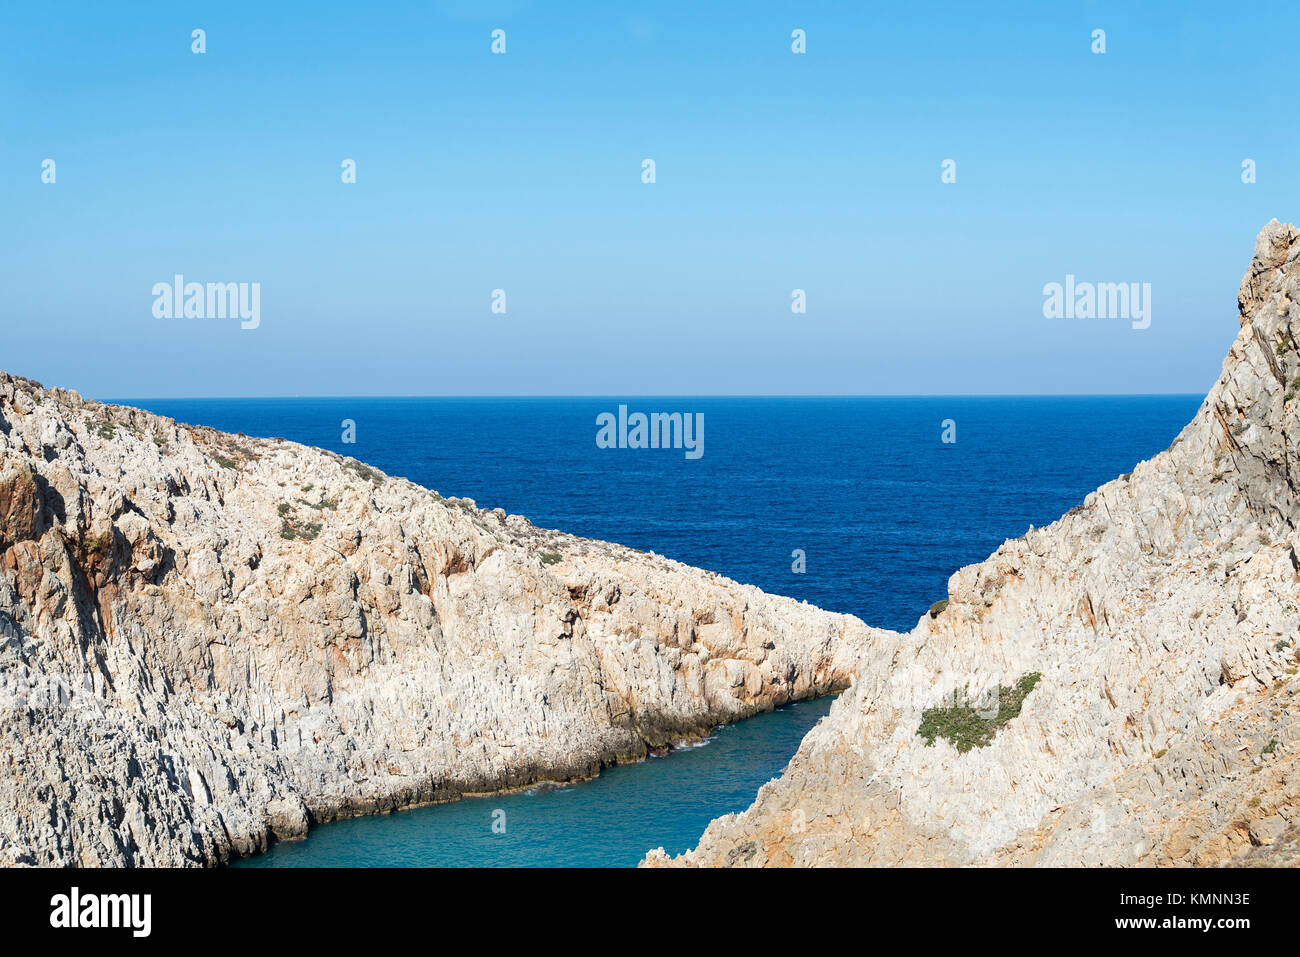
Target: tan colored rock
21	506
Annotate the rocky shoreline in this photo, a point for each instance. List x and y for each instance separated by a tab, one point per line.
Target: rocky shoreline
208	641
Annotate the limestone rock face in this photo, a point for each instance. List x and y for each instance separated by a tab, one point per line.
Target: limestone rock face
1162	615
209	641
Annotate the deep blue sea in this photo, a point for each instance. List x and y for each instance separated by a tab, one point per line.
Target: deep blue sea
883	510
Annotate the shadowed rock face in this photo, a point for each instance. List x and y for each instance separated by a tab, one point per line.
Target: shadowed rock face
1163	616
207	640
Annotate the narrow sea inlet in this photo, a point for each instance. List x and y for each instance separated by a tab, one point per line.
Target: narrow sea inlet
610	821
857	505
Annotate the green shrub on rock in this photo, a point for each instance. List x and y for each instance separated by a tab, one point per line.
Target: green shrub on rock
969	727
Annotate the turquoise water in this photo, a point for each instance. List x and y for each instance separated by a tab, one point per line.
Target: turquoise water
610	821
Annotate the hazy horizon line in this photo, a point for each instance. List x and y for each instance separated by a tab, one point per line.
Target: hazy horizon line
118	400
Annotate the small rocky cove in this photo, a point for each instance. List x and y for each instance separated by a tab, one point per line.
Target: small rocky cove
608	821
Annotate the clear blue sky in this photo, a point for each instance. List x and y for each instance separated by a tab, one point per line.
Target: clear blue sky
775	171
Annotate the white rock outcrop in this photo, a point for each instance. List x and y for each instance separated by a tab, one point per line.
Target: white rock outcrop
1163	616
210	640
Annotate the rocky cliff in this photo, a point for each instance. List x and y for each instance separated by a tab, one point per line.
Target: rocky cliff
209	640
1117	689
